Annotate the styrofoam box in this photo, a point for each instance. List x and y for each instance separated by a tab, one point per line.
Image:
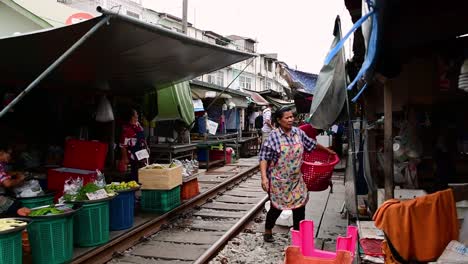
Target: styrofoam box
400	194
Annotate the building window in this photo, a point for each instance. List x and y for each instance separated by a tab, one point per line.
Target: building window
133	14
216	78
267	85
245	82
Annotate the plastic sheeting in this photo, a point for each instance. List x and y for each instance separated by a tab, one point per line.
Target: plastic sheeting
330	91
175	102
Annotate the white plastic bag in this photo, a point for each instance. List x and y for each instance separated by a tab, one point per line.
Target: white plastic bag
285	218
104	111
29	189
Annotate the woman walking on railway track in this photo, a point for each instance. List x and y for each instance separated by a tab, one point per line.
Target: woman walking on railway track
280	163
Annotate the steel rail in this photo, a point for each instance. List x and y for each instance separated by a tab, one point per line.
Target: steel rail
232	232
127	240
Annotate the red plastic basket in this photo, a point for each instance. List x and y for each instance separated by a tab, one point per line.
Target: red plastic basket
318	176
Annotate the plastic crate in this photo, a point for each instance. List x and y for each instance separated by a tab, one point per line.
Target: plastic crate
160	201
201	155
11	249
189	189
37	201
91	224
51	240
121	210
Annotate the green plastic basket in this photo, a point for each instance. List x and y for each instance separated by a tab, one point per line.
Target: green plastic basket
38	201
51	240
160	201
11	248
91	224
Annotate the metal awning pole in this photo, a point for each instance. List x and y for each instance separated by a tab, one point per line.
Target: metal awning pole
54	65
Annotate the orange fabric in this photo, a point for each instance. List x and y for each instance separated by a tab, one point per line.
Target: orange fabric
388	254
294	256
421	228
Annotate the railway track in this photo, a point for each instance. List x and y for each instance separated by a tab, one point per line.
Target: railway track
193	232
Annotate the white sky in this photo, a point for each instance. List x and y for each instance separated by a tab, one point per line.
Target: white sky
300	31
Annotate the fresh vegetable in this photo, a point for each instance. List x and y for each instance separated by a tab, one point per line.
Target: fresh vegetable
51	210
121	186
154	166
7	224
88	188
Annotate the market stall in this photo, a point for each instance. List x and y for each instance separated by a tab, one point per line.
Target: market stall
407	128
65	136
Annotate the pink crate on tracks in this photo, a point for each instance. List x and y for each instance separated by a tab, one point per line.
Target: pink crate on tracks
317	169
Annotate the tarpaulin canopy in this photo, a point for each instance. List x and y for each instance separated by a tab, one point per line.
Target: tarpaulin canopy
299	80
330	94
239	102
200	93
217	88
279	102
124	56
257	99
175	103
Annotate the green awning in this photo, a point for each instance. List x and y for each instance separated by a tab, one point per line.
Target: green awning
175	103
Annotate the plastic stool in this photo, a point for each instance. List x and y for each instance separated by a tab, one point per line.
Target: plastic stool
304	239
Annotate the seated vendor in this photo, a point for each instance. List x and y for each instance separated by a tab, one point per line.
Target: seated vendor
8	205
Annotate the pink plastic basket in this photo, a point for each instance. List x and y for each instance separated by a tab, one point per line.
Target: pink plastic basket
317	169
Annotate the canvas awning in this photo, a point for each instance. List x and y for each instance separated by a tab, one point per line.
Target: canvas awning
200	93
280	102
257	99
124	56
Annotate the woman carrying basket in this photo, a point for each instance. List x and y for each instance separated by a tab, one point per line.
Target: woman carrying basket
280	164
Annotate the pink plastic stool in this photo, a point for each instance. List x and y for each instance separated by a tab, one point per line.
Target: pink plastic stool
304	238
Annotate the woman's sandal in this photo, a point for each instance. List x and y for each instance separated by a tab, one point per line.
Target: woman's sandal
268	238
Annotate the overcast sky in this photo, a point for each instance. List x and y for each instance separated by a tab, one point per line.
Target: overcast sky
300	31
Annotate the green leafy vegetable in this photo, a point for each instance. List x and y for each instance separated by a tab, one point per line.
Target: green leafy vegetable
51	210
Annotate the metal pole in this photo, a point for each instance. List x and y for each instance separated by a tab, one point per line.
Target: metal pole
54	65
388	141
184	16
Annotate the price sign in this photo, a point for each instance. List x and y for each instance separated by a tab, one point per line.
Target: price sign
142	154
99	194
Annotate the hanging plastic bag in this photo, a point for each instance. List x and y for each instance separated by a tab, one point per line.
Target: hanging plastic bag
100	179
104	111
70	189
285	218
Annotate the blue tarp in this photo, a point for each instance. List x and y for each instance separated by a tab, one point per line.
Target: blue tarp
302	80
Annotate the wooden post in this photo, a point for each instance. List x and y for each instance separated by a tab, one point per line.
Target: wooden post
388	141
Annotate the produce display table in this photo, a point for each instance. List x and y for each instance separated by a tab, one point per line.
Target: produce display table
205	146
165	152
248	146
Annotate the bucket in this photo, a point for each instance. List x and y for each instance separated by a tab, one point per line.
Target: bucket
121	210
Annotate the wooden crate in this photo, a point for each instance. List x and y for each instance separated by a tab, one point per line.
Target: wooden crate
160	179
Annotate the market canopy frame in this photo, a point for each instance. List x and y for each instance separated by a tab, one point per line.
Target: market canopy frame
112	53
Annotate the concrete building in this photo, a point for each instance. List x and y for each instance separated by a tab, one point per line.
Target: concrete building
132	8
259	74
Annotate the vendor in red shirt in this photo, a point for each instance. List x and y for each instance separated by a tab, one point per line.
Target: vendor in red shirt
131	141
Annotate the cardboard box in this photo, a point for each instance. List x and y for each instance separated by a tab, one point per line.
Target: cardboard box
160	179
